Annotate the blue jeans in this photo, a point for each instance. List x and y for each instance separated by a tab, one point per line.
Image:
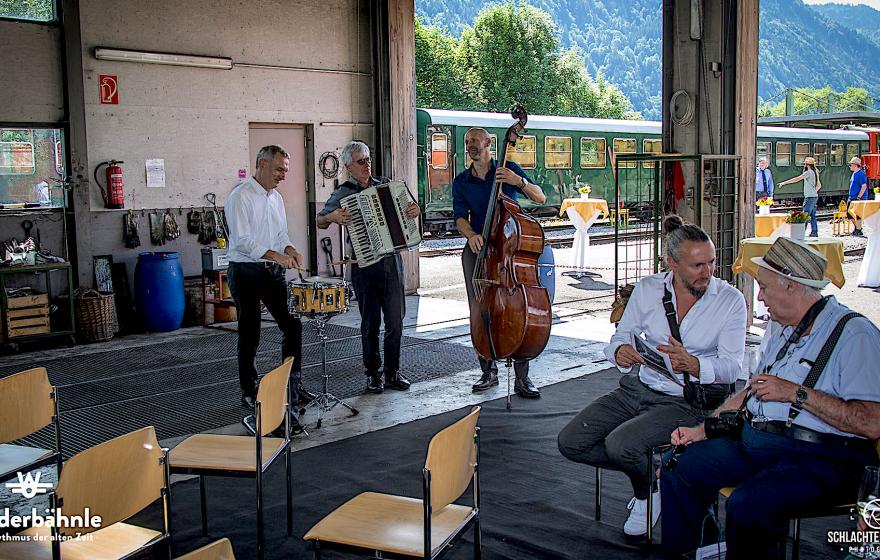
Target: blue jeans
810	203
777	478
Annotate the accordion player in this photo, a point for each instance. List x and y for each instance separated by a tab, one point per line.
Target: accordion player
379	224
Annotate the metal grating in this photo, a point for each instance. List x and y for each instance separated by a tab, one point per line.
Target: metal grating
191	385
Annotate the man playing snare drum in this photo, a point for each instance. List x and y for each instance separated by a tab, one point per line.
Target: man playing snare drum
259	252
378	287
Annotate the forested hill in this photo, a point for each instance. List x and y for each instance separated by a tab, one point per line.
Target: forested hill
800	45
863	19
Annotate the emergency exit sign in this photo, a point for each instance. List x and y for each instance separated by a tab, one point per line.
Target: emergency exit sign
109	89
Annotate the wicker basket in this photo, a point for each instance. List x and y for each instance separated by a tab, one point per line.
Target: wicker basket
94	315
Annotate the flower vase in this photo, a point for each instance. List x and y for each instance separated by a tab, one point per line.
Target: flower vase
763	210
877	196
585	196
797	231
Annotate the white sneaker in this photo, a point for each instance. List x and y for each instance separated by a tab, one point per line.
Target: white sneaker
636	523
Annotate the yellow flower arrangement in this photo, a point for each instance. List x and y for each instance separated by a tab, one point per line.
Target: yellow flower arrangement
586	189
797	217
764	201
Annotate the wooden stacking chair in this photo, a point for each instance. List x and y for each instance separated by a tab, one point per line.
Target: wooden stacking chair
217	550
244	456
392	526
28	403
114	481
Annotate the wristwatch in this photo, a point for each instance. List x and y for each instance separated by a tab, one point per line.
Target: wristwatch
522	182
800	396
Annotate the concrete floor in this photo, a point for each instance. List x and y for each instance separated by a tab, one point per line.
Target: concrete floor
581	328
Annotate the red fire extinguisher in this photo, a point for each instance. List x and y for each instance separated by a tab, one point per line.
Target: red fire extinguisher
111	190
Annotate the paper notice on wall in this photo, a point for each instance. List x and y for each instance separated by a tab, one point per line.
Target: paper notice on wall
156	173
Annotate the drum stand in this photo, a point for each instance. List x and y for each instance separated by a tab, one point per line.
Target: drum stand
325	401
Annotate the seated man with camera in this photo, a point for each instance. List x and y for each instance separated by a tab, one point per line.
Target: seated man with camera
699	323
797	439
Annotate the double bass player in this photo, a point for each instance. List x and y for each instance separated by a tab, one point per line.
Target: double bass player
471	193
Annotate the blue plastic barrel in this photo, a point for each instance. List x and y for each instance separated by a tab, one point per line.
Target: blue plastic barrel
547	272
158	282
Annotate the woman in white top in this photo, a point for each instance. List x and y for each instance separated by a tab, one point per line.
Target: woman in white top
812	186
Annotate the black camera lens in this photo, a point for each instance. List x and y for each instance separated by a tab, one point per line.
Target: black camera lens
673	459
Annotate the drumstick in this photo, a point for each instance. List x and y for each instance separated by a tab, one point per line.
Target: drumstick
344	261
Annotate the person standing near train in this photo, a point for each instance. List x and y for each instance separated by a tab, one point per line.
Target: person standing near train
858	190
812	186
763	180
471	190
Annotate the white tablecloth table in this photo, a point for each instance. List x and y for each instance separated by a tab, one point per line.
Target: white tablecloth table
582	212
869	211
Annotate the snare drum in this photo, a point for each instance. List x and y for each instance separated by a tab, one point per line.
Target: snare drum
316	295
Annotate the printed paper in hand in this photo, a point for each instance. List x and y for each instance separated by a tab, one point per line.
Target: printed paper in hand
655	359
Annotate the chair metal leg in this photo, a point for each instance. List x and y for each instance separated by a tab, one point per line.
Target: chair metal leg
650	529
316	550
259	515
204	505
598	494
478	539
289	493
796	542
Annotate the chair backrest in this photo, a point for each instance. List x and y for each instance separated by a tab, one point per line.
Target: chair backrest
26	404
452	456
115	479
272	394
217	550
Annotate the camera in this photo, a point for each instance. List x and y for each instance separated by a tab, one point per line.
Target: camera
727	424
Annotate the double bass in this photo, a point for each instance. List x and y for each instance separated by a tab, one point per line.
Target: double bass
510	314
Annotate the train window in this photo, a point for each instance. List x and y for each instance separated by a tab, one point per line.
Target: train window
651	146
557	152
852	150
801	151
439	150
820	152
625	146
762	150
31	166
783	154
524	153
592	153
493	151
836	154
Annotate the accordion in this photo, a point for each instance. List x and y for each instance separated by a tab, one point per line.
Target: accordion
379	225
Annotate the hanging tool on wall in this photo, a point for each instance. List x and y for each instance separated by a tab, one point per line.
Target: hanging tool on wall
194	222
328	163
327	246
208	233
169	226
157	229
130	234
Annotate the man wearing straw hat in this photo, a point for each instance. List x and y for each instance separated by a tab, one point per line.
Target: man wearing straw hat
807	431
858	190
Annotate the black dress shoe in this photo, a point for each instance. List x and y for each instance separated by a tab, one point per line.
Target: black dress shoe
525	388
250	423
374	383
396	381
304	396
489	380
249	402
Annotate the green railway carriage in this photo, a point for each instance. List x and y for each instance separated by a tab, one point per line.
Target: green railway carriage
563	153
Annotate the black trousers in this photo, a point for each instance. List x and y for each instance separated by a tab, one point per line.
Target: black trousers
468	263
251	283
379	291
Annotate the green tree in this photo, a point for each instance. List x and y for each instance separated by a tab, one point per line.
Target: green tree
513	54
821	100
439	83
37	10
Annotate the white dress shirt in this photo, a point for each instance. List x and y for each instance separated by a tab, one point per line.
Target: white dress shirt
257	222
714	330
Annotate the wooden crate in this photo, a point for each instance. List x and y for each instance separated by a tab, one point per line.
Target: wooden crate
27	315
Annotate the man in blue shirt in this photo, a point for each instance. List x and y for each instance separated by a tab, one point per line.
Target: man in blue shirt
471	190
858	190
802	448
763	180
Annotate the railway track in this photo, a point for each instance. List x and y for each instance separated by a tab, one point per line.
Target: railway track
600	238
